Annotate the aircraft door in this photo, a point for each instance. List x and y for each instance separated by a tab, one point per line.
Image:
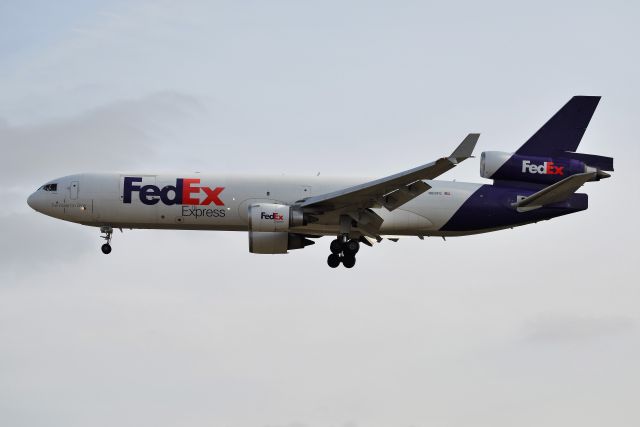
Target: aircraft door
74	190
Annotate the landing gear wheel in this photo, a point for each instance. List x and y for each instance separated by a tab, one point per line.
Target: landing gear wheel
352	247
335	247
333	260
348	260
108	233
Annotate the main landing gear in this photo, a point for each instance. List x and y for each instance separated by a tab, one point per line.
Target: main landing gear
343	251
108	233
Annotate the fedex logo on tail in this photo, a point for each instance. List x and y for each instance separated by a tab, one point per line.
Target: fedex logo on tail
547	168
185	192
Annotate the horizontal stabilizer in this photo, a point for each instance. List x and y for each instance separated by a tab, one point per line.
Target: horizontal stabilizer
554	193
601	162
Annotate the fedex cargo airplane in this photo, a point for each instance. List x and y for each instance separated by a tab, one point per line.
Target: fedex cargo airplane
537	182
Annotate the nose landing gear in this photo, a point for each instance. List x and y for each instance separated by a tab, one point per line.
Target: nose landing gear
343	251
108	233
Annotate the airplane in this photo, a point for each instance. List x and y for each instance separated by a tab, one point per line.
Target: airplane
537	182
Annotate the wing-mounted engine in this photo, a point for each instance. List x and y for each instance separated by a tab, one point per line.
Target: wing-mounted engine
269	225
501	166
274	217
276	242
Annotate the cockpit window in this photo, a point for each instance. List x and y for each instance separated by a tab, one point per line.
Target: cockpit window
50	187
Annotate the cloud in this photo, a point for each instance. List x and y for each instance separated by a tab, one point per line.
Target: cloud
115	136
119	135
31	242
565	328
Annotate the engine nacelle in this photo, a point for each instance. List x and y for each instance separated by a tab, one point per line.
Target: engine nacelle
515	167
276	242
274	217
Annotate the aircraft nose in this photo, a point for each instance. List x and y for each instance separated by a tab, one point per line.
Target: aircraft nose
31	201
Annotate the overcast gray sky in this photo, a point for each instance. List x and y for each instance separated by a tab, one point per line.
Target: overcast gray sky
533	326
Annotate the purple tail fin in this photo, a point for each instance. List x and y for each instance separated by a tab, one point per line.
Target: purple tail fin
562	134
564	130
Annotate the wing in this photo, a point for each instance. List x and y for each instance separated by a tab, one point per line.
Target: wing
392	191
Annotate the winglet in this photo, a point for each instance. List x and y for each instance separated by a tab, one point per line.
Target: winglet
465	149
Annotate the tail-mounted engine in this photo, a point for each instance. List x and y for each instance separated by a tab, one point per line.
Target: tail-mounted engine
543	170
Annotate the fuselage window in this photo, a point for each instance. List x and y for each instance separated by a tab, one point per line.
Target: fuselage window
50	187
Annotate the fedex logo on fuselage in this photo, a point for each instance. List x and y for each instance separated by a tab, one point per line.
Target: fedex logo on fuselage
547	168
274	216
185	192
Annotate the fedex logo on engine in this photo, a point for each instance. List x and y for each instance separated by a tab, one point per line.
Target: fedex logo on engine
547	168
274	216
185	192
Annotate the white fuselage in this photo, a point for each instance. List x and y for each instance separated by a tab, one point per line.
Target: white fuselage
221	202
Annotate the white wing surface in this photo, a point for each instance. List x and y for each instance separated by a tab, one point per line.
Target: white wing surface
392	191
